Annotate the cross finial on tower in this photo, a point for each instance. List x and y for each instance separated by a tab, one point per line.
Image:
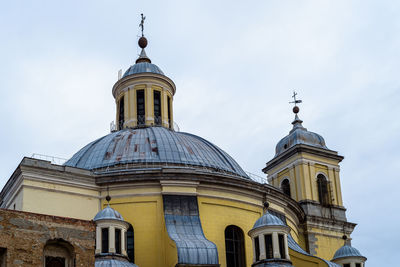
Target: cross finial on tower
295	102
141	25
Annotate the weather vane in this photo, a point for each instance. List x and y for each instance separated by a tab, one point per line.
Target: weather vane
295	102
141	25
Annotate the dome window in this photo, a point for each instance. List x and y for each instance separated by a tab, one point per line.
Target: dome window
104	240
121	118
140	108
269	252
234	246
157	107
130	244
117	241
169	111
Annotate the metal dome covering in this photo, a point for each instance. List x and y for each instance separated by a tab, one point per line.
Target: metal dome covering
143	67
108	213
299	135
347	251
268	219
154	145
113	263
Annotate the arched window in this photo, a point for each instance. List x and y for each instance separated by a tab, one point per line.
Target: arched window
121	118
234	246
323	192
58	253
285	186
130	244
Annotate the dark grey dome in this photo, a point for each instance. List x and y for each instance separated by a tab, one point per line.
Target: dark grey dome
157	145
347	251
108	213
112	263
299	135
268	219
143	67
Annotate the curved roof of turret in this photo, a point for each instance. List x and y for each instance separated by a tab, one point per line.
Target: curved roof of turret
268	219
108	213
154	145
299	135
112	263
142	67
347	251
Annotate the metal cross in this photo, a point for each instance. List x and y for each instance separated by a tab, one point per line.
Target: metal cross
295	102
141	25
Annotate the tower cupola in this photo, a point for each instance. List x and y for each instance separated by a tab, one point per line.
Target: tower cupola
111	231
144	94
270	246
348	256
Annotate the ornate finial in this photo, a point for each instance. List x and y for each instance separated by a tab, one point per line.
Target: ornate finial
141	25
108	198
295	101
266	206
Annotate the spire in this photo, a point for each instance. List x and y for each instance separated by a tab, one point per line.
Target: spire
297	123
142	44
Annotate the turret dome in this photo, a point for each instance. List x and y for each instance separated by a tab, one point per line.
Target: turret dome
347	251
108	213
268	219
299	135
142	67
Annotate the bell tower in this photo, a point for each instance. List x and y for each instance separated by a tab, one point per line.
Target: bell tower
306	170
144	95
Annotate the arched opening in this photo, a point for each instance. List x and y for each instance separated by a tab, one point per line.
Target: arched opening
234	247
285	186
130	244
58	253
323	192
121	118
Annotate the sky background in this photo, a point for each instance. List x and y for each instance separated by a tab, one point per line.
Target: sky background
235	65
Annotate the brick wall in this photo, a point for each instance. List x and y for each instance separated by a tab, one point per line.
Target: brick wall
26	238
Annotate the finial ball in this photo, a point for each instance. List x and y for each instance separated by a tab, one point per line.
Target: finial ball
296	109
142	42
266	205
344	237
108	198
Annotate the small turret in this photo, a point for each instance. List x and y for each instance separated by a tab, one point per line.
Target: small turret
348	256
270	246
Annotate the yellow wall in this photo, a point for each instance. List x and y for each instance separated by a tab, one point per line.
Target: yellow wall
59	200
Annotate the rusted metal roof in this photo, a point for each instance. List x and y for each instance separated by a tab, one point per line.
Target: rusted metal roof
154	145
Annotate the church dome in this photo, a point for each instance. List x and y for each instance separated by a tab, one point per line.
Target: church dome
108	213
347	251
268	220
299	135
142	67
154	145
113	263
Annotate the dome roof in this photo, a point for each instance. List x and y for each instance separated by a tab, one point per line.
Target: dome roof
112	263
154	145
347	251
299	135
268	219
108	213
143	67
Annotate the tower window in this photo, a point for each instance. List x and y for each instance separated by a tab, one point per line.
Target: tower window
169	111
104	240
157	107
281	246
234	246
323	192
269	253
346	265
140	107
118	241
358	264
257	247
130	245
285	186
121	112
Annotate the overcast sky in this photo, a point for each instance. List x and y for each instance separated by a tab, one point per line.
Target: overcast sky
235	66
